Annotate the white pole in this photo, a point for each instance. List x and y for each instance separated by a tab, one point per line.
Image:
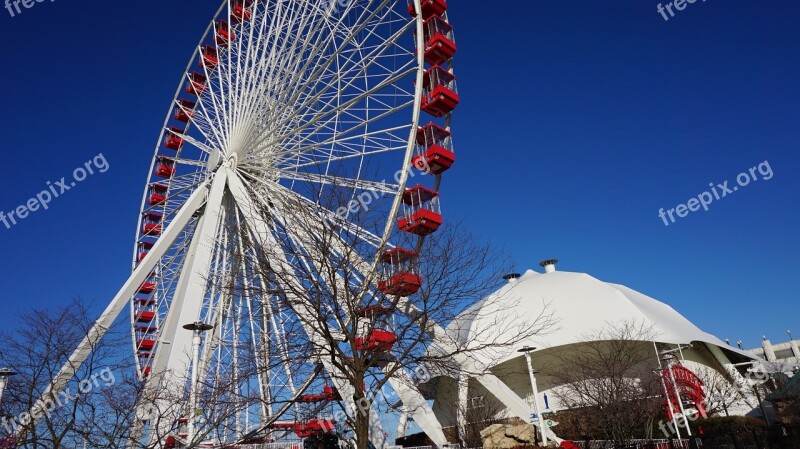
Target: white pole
669	403
666	391
197	339
680	402
542	424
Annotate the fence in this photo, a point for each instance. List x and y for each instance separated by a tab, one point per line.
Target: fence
282	445
643	444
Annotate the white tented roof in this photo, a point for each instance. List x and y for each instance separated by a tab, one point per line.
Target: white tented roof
581	305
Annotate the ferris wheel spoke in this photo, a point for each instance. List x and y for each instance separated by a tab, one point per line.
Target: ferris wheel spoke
346	138
310	163
326	114
269	66
294	91
340	139
376	188
293	88
315	215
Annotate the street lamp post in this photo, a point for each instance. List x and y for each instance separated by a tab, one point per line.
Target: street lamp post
5	373
197	328
542	424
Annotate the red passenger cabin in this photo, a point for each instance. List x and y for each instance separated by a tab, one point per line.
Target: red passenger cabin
375	312
328	394
151	225
196	85
157	194
313	427
147	287
165	168
210	58
146	344
440	95
282	425
440	45
184	110
430	8
399	274
145	316
143	249
422	214
240	11
172	139
434	150
224	35
145	311
378	341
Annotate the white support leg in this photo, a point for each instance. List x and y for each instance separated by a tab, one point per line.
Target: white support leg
415	405
120	300
172	358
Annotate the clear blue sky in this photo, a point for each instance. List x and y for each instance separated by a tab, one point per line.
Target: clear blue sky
579	121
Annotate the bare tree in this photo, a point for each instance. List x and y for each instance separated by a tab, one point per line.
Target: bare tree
478	414
722	394
607	379
37	350
355	316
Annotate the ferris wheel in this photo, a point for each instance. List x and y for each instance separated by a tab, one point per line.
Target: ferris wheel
289	116
283	106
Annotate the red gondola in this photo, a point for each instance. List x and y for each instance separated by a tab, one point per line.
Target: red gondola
440	43
240	11
429	8
145	316
157	194
224	35
315	426
184	111
172	139
151	225
399	274
196	85
440	96
377	340
144	248
434	150
422	213
165	167
328	394
146	344
210	58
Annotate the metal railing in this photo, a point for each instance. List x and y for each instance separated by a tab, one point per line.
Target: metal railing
639	444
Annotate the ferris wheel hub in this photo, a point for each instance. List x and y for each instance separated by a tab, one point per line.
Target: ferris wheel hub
232	162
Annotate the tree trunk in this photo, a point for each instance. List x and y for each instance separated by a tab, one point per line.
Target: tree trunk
362	421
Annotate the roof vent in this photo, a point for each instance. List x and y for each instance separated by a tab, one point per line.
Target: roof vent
549	265
511	278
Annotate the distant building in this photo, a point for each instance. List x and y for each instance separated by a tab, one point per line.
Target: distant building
784	355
